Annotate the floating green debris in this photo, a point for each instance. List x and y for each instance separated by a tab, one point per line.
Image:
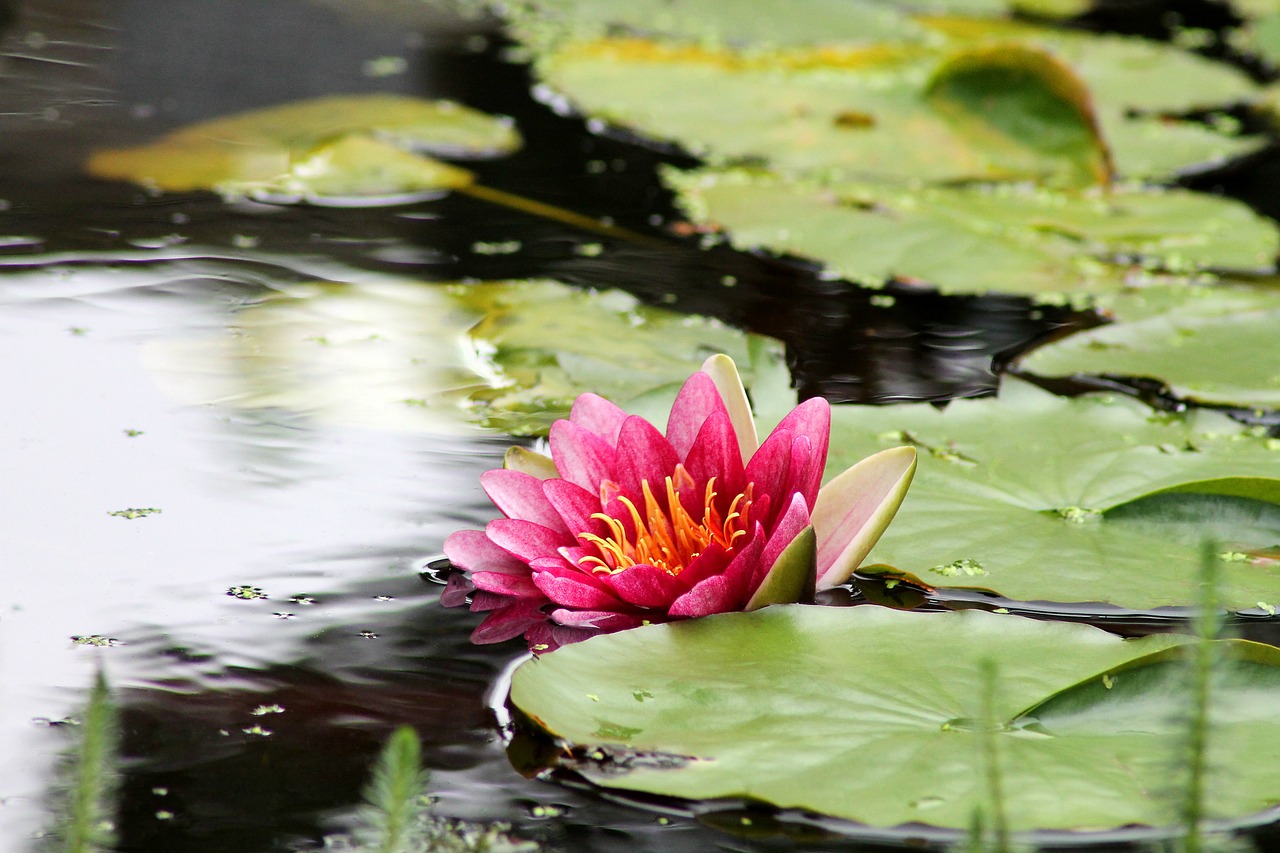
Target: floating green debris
246	593
134	512
1211	345
768	706
1011	238
413	355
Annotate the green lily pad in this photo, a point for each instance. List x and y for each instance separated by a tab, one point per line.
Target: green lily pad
339	149
861	109
1049	496
1213	345
873	715
403	354
1016	239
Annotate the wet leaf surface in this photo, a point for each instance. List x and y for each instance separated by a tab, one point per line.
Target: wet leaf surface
1212	345
868	714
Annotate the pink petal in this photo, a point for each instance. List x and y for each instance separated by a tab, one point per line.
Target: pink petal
725	592
509	621
712	561
515	586
546	637
604	621
645	586
795	519
715	453
693	405
643	454
581	457
575	506
598	416
724	373
520	495
524	539
575	592
473	550
456	590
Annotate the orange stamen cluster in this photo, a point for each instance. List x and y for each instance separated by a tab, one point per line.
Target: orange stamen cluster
667	538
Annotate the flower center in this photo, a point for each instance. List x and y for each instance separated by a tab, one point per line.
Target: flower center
670	538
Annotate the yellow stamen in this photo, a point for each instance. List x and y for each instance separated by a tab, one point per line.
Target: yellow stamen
667	537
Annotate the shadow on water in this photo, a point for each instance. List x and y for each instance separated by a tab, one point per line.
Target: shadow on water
332	523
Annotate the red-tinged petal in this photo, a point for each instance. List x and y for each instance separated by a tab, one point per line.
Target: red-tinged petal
724	373
576	592
473	550
515	586
811	419
524	539
510	621
693	405
715	453
483	601
520	495
645	586
598	416
575	506
855	508
795	519
456	590
712	561
529	462
603	621
725	592
581	457
643	454
548	637
768	469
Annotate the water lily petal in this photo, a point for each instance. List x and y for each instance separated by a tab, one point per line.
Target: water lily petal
598	620
456	590
529	462
712	561
509	621
520	495
724	592
724	373
645	586
697	399
855	508
575	592
581	457
575	506
794	519
715	454
791	577
649	456
524	539
515	586
546	637
598	416
472	550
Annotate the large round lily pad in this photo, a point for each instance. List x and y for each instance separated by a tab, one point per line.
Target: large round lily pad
1011	238
876	716
1048	500
1213	345
404	354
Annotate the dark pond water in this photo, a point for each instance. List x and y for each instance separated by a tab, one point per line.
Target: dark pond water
319	527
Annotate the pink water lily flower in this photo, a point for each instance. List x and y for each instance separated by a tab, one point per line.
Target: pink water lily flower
623	526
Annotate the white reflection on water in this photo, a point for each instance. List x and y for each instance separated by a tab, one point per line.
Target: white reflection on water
279	503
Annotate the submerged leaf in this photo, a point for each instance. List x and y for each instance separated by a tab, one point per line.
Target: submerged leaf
1213	345
345	147
870	715
406	354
